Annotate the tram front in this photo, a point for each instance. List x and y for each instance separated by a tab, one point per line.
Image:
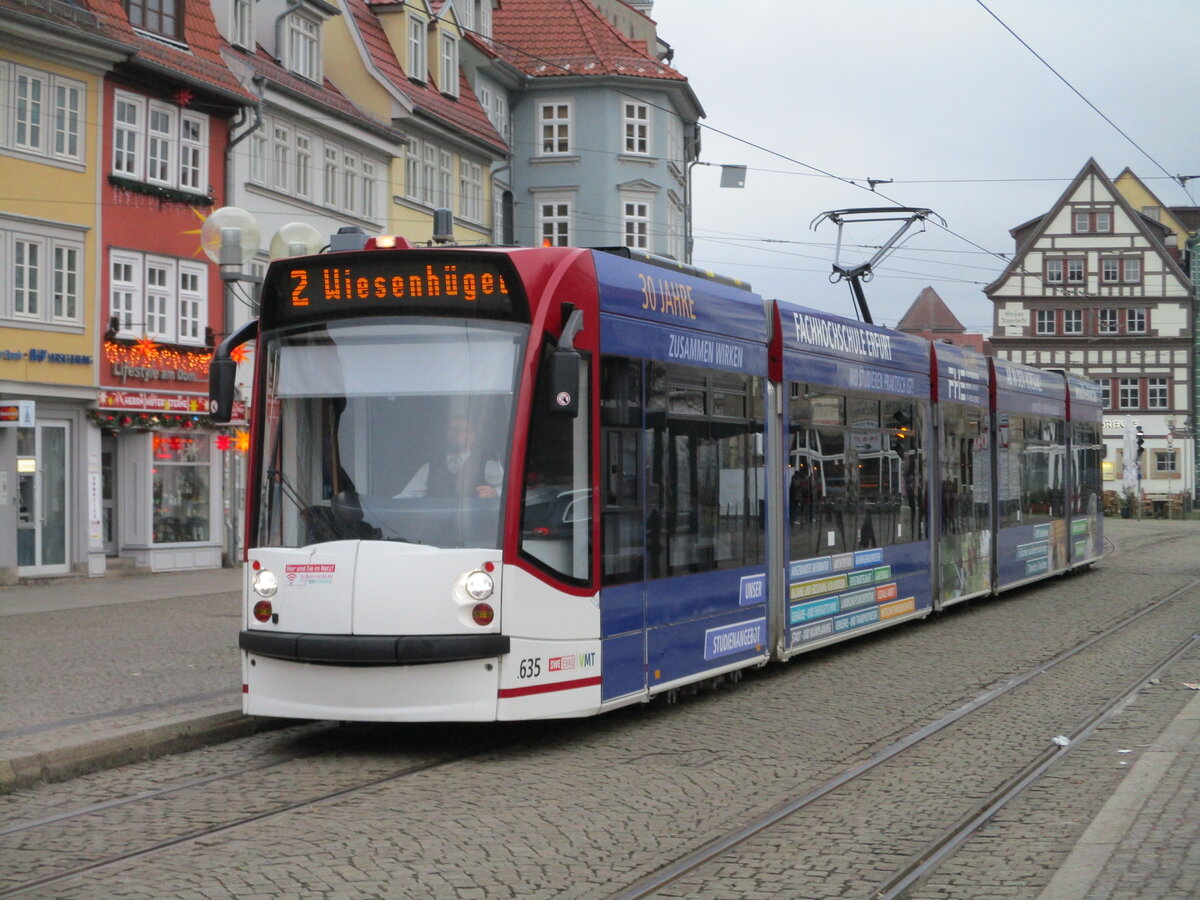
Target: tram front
380	464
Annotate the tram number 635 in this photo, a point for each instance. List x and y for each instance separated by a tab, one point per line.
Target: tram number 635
531	668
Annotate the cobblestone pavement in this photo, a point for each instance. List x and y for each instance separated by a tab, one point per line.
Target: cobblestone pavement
1118	819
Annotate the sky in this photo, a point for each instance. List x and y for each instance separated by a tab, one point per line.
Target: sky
939	97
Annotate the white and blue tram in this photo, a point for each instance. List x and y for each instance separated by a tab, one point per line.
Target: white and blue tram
495	484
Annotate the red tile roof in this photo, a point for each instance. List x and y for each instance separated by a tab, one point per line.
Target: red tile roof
929	313
546	38
199	64
462	112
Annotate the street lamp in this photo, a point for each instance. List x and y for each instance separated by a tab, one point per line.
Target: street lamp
230	238
732	176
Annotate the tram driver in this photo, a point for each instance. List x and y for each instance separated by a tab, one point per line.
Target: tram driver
462	471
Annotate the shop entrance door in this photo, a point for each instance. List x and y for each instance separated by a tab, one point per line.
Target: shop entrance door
108	492
43	470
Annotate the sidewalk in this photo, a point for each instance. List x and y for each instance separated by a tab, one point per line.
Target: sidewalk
102	671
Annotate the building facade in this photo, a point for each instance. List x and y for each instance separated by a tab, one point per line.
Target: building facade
1096	286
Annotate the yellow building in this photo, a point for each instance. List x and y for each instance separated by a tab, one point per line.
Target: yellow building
51	85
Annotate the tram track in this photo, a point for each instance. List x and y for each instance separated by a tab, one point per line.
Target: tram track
687	872
30	831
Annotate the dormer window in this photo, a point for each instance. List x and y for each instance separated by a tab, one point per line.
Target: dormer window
163	17
449	67
1092	221
304	47
418	60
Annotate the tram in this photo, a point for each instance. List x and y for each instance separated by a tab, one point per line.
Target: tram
515	483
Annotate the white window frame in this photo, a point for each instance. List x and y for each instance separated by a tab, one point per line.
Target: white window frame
43	267
1110	270
258	157
171	308
42	114
281	156
1107	321
1044	320
67	137
304	47
1158	393
554	128
554	219
470	178
1135	321
413	182
350	185
1072	321
445	179
1076	271
304	145
241	23
1166	462
159	144
429	156
331	175
635	221
449	65
418	52
370	189
1055	271
635	122
1129	396
1131	270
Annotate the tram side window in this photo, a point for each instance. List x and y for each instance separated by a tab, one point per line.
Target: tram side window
623	535
1031	477
703	506
855	472
965	480
1088	451
556	510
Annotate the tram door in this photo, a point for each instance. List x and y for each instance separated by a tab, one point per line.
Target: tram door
42	515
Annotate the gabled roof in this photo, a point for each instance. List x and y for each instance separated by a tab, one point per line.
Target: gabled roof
546	38
462	113
199	65
326	95
929	312
1033	234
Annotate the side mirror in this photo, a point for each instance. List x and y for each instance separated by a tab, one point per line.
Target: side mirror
564	382
222	375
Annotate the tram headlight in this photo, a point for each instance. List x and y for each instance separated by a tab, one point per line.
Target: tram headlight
265	584
478	585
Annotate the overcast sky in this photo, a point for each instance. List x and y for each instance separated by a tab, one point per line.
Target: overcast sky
939	97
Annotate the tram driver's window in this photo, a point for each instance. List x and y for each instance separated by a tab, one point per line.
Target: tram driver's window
556	509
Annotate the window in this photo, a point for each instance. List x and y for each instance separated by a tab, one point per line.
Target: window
1092	221
158	16
412	171
471	190
158	297
281	153
303	165
1075	271
635	220
554	223
495	103
1045	321
555	123
181	477
241	23
445	179
418	63
675	141
449	69
675	230
429	175
351	187
40	274
1127	270
304	47
1165	462
330	174
637	128
1054	271
258	157
1105	393
1157	393
368	190
1072	321
1135	321
1129	397
157	143
43	114
1106	321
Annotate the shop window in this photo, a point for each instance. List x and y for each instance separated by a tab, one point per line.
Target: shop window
181	479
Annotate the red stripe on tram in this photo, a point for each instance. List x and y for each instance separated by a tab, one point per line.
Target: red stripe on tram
505	693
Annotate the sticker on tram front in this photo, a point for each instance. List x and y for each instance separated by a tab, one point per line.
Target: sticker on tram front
301	574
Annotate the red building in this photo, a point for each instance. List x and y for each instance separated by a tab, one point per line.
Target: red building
167	115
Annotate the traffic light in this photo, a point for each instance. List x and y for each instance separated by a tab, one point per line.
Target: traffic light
1140	440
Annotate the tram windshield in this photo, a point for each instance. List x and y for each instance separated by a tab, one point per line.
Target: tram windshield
388	429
